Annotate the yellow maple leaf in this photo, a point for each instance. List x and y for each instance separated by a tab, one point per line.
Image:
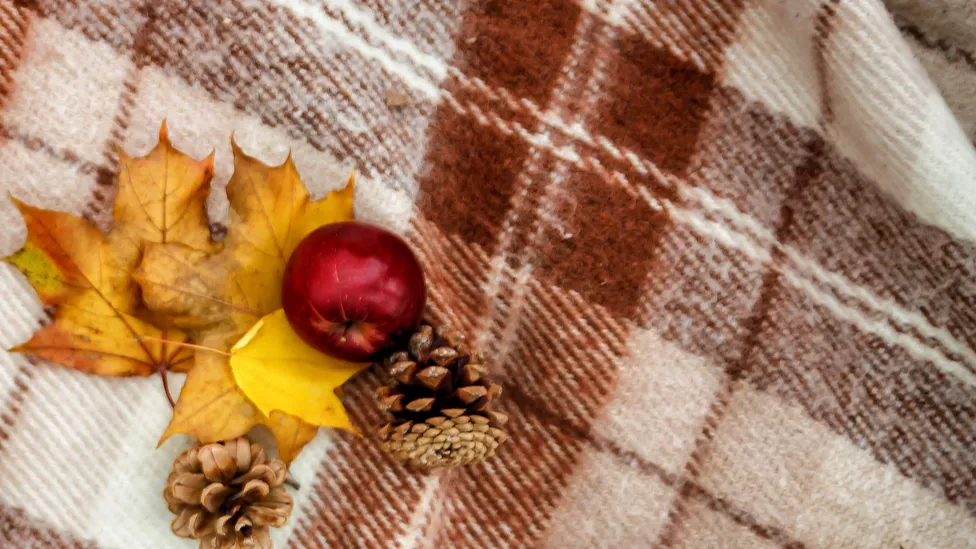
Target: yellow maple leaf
73	269
219	297
163	197
277	370
271	212
270	377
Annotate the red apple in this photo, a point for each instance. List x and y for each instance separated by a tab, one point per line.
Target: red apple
352	290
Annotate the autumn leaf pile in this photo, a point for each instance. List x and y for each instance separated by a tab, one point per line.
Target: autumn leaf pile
159	294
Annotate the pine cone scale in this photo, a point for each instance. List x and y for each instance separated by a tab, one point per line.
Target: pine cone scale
472	373
221	525
421	404
443	355
188	487
431	377
213	496
217	463
256	490
260	471
471	393
240	451
403	371
187	462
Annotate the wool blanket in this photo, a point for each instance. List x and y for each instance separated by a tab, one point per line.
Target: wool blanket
721	253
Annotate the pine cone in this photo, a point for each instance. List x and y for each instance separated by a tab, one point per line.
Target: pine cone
227	494
439	400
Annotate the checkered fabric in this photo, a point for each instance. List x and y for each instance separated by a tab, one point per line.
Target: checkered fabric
722	251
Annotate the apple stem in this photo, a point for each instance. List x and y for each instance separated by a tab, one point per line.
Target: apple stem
164	375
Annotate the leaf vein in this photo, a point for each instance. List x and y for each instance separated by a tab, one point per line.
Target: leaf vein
267	218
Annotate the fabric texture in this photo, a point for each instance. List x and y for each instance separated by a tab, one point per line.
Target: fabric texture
723	253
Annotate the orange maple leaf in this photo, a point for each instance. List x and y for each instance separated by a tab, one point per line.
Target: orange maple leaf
99	324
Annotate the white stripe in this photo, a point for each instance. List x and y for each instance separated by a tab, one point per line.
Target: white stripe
339	29
502	321
830	279
392	42
648	26
304	470
420	518
883	306
879	328
701	196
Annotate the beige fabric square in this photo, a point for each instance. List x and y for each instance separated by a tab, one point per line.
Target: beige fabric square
703	528
87	422
9	365
198	125
773	59
776	463
610	504
32	176
21	311
67	90
660	405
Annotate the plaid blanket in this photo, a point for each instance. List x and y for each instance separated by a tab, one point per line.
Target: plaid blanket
722	253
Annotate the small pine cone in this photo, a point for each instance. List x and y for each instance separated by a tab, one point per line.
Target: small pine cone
440	401
227	495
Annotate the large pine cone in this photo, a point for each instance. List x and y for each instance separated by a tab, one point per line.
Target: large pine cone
439	399
227	495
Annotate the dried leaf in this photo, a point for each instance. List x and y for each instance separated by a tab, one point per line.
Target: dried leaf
194	290
277	370
271	212
219	297
211	407
98	324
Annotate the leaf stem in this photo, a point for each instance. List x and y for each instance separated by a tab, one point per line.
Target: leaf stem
164	375
184	344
